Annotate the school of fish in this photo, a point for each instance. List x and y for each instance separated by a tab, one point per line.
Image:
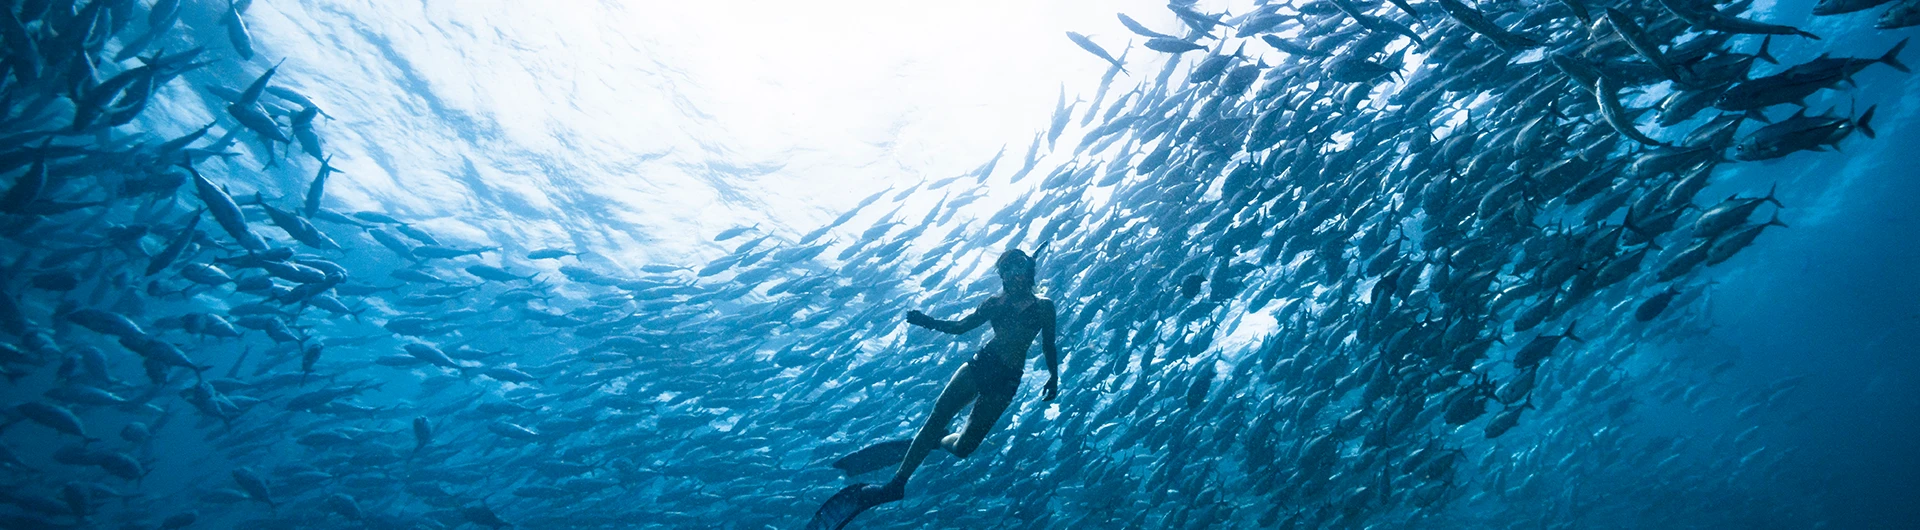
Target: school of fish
1461	221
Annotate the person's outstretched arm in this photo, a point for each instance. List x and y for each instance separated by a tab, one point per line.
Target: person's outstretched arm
951	327
1047	332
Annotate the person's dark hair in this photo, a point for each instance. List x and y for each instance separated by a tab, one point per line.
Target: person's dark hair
1012	259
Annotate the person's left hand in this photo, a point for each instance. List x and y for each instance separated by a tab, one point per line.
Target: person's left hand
1052	390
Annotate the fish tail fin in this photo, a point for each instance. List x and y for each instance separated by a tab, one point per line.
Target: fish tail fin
1864	122
1628	224
1569	332
1770	196
1892	57
1775	221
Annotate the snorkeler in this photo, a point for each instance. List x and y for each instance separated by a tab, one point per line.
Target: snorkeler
988	381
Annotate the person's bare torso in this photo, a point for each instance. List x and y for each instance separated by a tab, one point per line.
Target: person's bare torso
1016	321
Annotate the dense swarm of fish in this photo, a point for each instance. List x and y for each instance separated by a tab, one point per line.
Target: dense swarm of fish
1460	224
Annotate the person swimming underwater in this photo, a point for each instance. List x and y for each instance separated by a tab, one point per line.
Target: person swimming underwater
988	381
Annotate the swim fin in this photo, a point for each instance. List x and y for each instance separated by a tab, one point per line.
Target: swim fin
847	504
873	458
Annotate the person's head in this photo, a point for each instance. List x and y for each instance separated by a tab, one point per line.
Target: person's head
1016	271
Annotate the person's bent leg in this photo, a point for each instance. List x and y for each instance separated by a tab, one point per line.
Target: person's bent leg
960	390
987	409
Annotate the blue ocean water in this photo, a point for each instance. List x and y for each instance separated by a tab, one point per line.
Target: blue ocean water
634	265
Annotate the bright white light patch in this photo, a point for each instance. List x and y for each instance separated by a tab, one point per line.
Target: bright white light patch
640	129
1248	332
